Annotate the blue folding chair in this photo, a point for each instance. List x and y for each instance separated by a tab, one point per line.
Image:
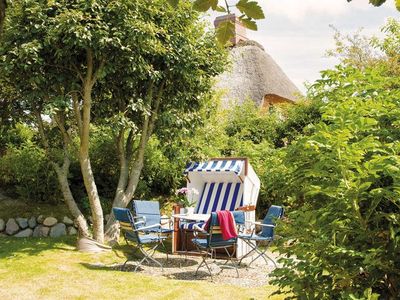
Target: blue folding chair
138	234
211	240
266	235
149	212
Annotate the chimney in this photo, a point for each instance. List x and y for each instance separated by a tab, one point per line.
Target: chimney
240	30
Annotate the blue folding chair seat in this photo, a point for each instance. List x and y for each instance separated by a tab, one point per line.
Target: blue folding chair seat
137	235
266	235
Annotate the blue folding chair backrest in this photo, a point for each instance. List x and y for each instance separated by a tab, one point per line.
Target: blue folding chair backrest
127	224
274	212
150	210
215	237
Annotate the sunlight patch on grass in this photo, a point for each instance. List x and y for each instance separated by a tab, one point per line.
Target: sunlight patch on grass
50	269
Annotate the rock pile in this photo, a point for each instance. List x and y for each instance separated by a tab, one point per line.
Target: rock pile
40	226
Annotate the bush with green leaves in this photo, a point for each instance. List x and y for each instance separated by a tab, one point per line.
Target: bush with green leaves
26	169
342	239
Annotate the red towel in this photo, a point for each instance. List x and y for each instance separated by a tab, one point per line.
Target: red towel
226	223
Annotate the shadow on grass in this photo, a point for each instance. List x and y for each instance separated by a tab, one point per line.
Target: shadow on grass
12	246
129	267
190	275
129	251
172	262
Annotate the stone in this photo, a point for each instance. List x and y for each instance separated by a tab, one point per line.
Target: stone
2	225
11	227
41	231
40	219
24	233
72	230
32	222
50	221
22	222
58	230
67	221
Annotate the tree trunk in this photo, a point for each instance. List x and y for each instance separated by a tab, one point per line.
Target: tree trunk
122	199
3	6
87	173
62	172
62	175
86	168
131	180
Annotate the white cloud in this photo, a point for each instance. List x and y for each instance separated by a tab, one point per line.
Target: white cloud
297	10
296	33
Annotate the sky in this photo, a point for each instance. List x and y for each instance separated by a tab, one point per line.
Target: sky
296	33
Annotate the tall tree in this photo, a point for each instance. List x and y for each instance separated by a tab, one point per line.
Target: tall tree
139	67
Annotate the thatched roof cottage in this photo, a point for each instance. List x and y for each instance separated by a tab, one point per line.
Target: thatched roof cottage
253	74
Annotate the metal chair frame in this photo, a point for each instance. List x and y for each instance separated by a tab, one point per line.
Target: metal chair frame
132	237
274	212
254	248
211	250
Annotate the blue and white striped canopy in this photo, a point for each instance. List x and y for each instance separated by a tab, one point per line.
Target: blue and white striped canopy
231	166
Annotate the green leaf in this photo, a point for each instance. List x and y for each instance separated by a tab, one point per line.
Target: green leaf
250	24
204	5
173	3
220	8
251	9
377	2
397	2
225	31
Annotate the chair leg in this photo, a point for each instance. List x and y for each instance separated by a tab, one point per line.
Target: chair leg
253	248
148	257
230	259
124	265
264	256
204	261
165	249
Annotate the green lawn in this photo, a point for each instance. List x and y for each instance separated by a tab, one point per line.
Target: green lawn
52	269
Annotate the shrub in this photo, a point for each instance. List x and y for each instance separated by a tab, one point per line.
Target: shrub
27	169
343	235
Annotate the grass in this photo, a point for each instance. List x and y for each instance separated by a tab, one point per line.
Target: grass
40	268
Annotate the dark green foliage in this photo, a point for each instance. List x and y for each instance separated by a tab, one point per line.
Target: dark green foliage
343	237
25	170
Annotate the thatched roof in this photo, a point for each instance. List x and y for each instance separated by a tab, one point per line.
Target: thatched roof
253	75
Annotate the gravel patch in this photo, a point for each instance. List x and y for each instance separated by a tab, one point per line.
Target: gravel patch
179	267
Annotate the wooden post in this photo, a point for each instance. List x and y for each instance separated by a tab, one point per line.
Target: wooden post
176	244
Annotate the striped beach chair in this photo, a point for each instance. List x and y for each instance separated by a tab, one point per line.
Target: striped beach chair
217	196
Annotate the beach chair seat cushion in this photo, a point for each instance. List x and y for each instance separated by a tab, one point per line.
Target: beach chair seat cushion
191	225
